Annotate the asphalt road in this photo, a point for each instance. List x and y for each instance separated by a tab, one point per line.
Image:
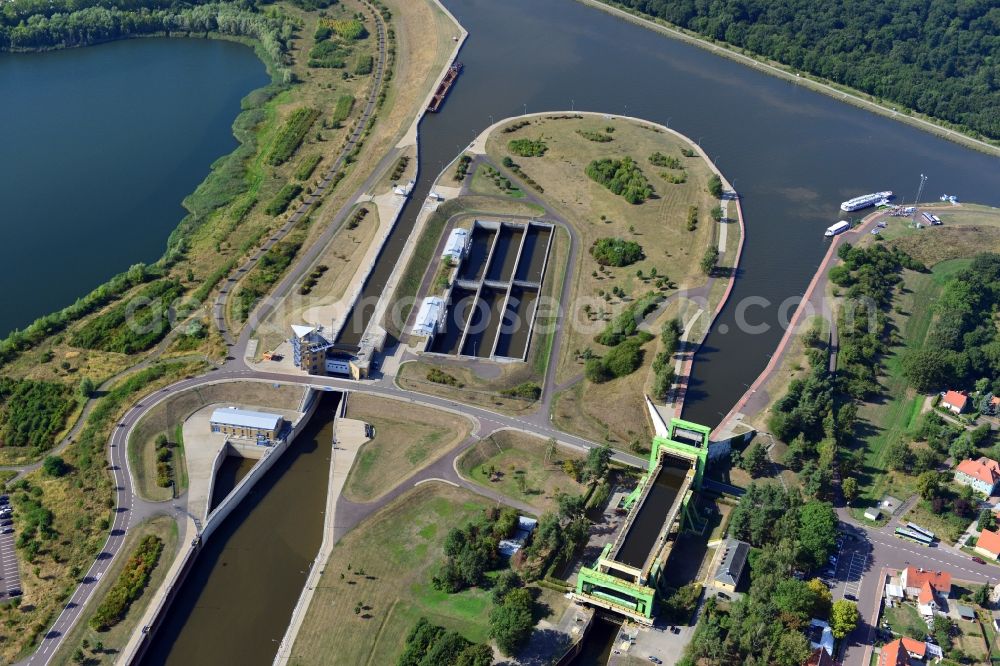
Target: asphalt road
859	572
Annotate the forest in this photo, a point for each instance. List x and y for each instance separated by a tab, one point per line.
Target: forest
936	57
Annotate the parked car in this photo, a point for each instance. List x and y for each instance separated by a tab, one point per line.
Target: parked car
850	597
7	530
978	560
654	660
6	522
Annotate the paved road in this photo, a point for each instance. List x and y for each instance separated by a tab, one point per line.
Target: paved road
861	563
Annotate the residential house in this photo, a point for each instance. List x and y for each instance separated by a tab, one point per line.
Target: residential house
930	589
954	401
982	474
988	544
900	651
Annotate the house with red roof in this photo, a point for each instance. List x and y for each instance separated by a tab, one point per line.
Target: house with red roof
955	401
989	544
930	589
982	474
900	651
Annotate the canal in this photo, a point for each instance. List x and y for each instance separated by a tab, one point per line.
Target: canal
236	602
793	154
100	145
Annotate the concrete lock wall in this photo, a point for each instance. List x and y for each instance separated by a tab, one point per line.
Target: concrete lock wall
171	587
270	456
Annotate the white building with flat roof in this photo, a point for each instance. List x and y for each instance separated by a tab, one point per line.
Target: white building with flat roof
458	240
429	315
246	423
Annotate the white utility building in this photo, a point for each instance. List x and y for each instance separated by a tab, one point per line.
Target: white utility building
458	240
428	316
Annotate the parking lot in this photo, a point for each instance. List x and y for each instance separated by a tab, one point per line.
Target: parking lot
853	562
10	575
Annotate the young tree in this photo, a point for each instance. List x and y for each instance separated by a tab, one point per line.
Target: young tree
550	449
87	388
982	595
850	489
844	618
708	261
597	461
987	521
715	186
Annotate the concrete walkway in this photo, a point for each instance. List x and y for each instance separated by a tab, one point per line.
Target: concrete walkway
349	437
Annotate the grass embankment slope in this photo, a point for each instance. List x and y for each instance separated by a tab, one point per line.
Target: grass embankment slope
114	640
168	416
522	467
399	549
407	438
672	249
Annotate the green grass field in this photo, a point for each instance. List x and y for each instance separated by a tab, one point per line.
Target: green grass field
399	549
407	438
889	420
522	471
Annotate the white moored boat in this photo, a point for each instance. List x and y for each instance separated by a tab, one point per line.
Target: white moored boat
866	200
838	228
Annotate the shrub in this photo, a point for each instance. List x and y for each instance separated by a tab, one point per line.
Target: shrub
364	65
441	377
621	176
307	166
527	391
130	584
715	185
599	137
291	134
343	109
527	147
624	359
55	466
616	252
349	28
133	325
279	204
659	159
32	412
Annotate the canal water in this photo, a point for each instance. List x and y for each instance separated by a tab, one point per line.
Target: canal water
100	145
232	470
793	154
236	602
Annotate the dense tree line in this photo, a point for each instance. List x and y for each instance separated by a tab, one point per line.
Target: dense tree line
32	412
767	625
472	550
130	584
934	56
34	25
962	345
430	645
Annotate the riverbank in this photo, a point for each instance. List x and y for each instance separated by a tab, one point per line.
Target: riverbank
830	88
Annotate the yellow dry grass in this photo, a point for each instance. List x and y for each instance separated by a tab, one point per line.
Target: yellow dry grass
659	225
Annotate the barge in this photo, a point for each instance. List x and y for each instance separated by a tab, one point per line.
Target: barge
442	90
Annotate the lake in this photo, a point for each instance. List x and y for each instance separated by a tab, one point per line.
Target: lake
100	145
